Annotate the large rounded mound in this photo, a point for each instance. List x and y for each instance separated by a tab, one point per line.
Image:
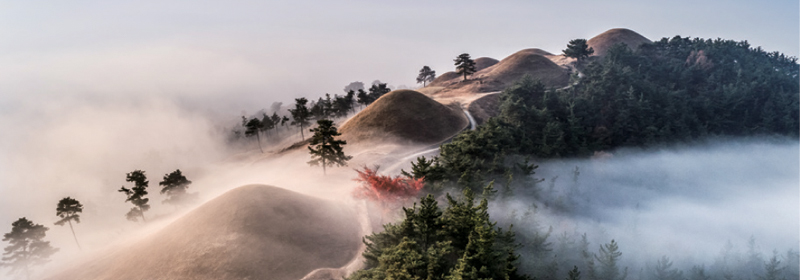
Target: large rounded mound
405	115
603	42
484	62
444	78
525	62
252	232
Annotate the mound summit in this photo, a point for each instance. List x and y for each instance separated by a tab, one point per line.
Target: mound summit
603	42
405	115
251	232
496	76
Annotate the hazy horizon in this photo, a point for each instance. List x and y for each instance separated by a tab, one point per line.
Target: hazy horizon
243	55
90	90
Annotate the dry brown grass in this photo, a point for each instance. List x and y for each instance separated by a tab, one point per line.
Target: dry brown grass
251	232
503	74
601	43
443	79
406	116
525	62
484	62
485	107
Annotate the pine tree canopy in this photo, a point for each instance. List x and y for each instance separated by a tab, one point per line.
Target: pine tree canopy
325	149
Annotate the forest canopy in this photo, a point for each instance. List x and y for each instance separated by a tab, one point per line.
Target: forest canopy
674	90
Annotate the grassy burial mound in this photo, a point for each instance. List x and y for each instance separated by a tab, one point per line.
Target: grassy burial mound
251	232
405	116
444	79
532	62
525	62
603	42
484	62
485	107
451	77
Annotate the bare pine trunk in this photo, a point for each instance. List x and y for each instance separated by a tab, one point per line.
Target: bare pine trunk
301	133
322	149
258	139
74	236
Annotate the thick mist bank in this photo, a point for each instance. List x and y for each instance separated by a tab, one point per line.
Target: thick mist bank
686	203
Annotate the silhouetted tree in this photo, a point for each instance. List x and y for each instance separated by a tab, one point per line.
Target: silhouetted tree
276	120
574	274
377	90
458	243
300	114
175	185
363	98
608	259
428	170
350	98
284	120
664	270
252	128
267	124
325	149
136	195
578	49
26	246
464	65
342	104
773	269
426	75
68	209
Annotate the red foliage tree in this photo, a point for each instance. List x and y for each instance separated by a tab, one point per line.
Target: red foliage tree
384	189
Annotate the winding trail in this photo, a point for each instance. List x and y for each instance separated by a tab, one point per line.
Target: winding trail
433	148
327	273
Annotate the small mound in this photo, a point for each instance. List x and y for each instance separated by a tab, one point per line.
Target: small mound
404	115
485	107
536	51
251	232
484	62
603	42
443	79
525	62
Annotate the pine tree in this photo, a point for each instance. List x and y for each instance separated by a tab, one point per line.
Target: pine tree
608	260
664	271
464	65
252	127
428	170
300	114
136	195
325	149
578	49
26	246
363	98
276	120
175	185
574	274
426	75
773	269
267	124
377	90
68	209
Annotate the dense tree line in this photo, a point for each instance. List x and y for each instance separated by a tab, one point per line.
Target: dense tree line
305	112
674	90
459	242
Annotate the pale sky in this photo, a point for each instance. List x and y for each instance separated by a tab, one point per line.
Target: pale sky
243	55
90	89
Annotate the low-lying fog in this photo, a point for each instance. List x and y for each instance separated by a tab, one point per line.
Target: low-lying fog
686	203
